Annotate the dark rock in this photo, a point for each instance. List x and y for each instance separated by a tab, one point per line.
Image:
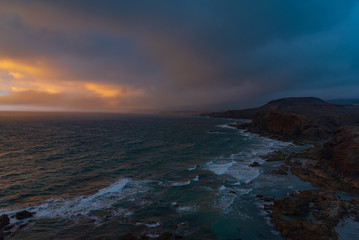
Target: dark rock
343	151
281	171
335	165
22	215
293	206
8	227
266	199
326	208
255	164
232	192
4	220
286	124
276	156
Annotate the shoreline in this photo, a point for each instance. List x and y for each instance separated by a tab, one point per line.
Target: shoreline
315	213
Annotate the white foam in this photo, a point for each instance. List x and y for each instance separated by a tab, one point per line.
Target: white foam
227	125
184	183
193	168
153	235
210	132
219	168
186	209
123	189
243	191
179	184
224	198
153	225
237	164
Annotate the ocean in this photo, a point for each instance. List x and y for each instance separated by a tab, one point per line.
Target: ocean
101	176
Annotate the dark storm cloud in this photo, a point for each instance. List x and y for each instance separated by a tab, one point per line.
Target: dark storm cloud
193	54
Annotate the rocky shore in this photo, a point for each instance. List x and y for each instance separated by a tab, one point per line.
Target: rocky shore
331	164
311	214
8	226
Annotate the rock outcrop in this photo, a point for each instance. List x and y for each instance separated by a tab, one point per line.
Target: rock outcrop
22	215
286	124
334	165
305	118
311	214
4	221
343	151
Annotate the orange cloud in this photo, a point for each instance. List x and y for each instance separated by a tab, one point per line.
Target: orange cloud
107	90
103	90
19	69
38	84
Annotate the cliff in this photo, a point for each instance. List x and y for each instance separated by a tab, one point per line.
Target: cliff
332	165
306	118
343	151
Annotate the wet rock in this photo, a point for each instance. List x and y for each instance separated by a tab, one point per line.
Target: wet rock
276	156
335	165
4	220
279	172
8	227
255	164
298	206
22	215
175	204
263	198
283	170
311	214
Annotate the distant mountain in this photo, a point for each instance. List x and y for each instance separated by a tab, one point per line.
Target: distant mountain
310	106
296	118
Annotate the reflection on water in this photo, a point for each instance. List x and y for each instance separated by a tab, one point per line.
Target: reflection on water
91	175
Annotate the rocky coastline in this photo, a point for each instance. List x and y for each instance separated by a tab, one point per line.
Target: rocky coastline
331	165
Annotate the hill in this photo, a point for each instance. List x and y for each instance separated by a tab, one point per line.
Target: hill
296	117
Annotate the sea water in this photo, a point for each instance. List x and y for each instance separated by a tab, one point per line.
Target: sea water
88	176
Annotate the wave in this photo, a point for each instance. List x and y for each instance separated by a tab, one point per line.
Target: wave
179	184
238	165
104	199
184	183
193	168
227	125
226	196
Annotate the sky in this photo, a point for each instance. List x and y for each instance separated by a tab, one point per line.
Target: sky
139	56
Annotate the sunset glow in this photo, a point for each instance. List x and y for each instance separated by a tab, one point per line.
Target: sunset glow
125	56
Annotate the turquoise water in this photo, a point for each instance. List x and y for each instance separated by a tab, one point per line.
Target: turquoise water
88	176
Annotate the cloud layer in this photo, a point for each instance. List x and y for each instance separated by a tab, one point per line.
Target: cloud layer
163	55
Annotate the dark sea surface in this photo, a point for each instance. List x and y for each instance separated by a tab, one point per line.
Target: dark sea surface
88	176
